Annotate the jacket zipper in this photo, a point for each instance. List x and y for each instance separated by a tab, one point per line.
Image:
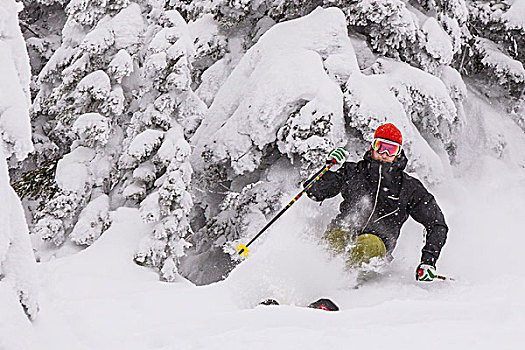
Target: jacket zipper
375	202
384	216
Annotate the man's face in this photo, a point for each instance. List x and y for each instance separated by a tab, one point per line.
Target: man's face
383	157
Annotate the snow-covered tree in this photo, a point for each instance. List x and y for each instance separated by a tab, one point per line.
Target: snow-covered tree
77	174
427	37
452	16
267	112
417	101
155	163
209	44
41	22
277	90
114	109
497	47
17	262
78	114
241	215
495	55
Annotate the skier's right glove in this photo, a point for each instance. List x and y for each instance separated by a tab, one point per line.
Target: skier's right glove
425	273
340	154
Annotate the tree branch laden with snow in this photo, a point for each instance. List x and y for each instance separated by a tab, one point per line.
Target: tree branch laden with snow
17	262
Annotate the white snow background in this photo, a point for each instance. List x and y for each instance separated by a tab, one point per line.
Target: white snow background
100	299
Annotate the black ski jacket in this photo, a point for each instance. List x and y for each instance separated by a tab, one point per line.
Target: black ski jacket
378	198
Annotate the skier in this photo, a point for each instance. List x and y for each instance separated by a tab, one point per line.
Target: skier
378	197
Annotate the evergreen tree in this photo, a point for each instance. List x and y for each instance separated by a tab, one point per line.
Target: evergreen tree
155	164
497	45
269	113
393	29
495	54
79	111
17	261
113	111
41	22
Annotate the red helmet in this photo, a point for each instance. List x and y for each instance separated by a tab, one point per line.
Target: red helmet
389	131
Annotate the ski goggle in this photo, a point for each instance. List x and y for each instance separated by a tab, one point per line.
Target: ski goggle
386	146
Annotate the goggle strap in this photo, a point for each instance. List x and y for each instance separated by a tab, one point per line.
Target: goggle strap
387	141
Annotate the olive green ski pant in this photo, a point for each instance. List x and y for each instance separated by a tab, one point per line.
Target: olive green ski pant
363	247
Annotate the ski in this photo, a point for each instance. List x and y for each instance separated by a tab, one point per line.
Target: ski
322	304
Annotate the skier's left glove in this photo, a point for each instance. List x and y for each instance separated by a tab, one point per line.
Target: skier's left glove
425	273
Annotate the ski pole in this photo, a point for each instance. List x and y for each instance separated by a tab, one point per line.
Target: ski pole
243	249
444	278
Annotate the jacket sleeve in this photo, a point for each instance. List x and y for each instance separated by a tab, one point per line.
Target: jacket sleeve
328	186
424	209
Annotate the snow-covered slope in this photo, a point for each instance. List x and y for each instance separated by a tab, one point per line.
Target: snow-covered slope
98	299
86	305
